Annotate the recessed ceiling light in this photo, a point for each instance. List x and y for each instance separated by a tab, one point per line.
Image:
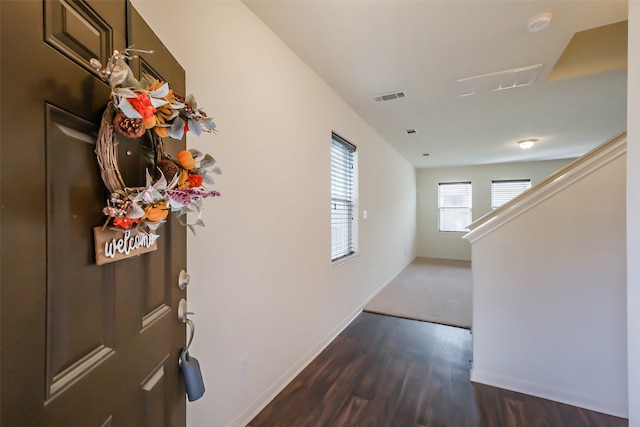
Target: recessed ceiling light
525	144
539	22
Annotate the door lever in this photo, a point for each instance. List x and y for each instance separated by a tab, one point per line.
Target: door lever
183	316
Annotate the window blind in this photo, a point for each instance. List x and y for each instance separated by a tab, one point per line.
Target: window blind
454	206
342	197
504	191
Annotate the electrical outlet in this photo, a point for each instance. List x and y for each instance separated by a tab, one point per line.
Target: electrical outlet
244	365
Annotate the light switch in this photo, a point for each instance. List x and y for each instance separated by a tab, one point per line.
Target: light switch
364	214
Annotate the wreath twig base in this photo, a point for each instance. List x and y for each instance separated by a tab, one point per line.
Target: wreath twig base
107	152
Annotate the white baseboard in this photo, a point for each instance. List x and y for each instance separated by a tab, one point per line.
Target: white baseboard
261	402
375	294
615	408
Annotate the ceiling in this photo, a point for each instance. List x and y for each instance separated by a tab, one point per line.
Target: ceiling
365	48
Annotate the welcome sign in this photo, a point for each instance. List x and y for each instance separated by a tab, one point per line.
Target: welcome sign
115	245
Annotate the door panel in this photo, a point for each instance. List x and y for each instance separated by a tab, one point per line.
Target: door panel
74	203
81	344
77	31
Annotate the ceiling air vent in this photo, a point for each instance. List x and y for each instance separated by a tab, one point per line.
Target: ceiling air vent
389	96
410	131
500	80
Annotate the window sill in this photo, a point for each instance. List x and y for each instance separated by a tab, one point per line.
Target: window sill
345	260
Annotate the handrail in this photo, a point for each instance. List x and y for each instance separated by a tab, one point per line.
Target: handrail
569	174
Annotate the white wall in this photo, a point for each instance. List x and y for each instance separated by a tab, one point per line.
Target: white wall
549	309
434	244
633	213
262	284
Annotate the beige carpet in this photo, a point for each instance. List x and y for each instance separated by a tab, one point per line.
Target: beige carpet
432	290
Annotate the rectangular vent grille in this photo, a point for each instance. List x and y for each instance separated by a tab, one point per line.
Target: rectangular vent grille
410	131
501	80
389	96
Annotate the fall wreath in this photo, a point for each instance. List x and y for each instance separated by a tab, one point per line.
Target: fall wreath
150	106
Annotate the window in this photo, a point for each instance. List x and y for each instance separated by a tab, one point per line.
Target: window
503	191
343	198
454	206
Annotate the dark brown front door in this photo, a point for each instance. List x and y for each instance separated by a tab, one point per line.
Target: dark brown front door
81	345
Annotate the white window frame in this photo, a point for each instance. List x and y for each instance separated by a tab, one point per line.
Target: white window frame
503	191
454	206
344	200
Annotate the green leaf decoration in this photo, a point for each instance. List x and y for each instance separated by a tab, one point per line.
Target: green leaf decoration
177	128
191	100
190	227
161	92
174	181
124	92
128	109
121	75
118	76
208	123
135	212
158	102
207	162
197	154
153	226
195	127
146	80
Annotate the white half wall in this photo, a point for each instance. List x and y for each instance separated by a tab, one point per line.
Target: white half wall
549	297
432	243
633	212
263	289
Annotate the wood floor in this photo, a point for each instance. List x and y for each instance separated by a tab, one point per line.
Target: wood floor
389	372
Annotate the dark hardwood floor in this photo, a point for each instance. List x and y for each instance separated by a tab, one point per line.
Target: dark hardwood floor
389	372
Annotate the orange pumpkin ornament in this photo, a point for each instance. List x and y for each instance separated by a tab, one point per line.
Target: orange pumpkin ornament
149	122
161	131
156	212
182	179
186	160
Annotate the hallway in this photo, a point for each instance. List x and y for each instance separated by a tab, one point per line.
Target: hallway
385	371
